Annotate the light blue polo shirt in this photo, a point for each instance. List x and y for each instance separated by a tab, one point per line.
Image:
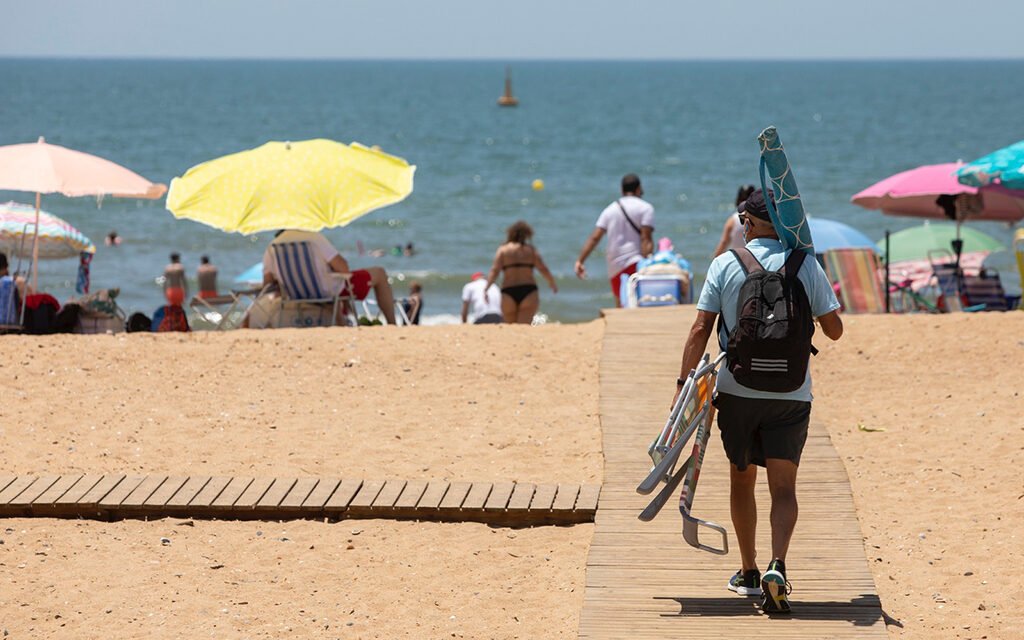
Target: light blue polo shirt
721	293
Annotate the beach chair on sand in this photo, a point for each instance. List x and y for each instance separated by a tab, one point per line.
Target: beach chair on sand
690	417
224	311
304	298
856	272
984	292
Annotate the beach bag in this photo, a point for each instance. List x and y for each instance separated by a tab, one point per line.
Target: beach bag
770	347
170	317
100	304
41	314
138	321
67	317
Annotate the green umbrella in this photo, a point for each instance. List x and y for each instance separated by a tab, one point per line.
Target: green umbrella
915	243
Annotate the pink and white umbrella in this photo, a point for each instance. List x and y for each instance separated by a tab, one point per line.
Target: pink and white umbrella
914	192
48	168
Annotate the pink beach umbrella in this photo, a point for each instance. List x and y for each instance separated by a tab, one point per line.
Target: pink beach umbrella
914	193
48	168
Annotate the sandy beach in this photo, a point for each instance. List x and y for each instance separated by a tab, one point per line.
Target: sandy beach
925	412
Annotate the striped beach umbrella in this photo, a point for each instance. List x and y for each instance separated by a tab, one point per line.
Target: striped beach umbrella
57	238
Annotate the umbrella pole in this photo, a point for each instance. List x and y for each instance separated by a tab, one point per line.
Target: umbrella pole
35	249
887	310
958	247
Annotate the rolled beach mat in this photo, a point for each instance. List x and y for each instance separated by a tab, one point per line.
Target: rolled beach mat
788	212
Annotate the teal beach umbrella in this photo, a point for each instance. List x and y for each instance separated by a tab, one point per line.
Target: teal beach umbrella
1004	167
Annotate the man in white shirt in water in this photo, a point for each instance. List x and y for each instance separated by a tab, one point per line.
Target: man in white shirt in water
629	223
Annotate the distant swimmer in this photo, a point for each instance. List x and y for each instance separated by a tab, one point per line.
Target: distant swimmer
206	274
112	239
516	260
629	223
175	284
732	232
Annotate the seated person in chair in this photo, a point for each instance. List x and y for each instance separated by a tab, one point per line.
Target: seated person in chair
328	262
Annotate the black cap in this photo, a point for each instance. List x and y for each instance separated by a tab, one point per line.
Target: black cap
755	205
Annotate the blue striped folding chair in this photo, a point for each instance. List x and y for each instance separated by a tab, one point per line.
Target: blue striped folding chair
300	282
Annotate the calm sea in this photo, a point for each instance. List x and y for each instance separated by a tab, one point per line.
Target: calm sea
688	128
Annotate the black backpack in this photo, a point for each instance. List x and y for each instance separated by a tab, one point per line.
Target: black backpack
770	347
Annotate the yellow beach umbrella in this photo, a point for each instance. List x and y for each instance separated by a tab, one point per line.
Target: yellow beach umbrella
308	185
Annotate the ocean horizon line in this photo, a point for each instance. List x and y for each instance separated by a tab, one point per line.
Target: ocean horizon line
504	60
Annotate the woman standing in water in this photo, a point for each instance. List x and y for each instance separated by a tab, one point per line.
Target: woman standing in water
516	260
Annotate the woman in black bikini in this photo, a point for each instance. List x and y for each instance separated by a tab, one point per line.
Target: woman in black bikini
517	259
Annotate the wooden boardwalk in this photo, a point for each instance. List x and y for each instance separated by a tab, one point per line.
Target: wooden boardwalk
116	497
644	581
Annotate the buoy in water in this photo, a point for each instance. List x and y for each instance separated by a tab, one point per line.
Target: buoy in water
538	185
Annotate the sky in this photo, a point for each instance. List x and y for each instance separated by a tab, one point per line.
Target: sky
514	29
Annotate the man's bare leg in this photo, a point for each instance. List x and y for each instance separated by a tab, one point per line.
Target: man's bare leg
782	485
381	288
743	507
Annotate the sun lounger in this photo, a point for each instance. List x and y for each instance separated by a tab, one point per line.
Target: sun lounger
857	272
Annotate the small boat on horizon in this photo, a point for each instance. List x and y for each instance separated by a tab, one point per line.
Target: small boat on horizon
508	100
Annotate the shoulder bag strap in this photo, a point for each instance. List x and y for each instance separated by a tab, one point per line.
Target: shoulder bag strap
628	219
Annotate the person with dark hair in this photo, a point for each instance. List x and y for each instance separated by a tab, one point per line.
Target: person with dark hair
516	260
629	223
760	426
732	232
175	283
206	275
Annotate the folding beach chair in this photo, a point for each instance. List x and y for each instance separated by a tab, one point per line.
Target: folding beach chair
856	271
692	416
224	311
301	287
984	292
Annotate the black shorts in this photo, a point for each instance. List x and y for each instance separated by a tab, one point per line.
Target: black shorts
754	429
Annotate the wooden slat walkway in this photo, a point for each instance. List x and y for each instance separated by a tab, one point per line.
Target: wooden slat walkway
644	581
116	497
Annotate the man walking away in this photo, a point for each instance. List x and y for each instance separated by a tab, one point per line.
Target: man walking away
761	427
629	223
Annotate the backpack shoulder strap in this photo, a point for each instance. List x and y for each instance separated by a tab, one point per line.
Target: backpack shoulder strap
794	261
747	261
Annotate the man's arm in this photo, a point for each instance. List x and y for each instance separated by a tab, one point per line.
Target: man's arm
588	246
339	264
646	241
696	343
831	325
465	311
